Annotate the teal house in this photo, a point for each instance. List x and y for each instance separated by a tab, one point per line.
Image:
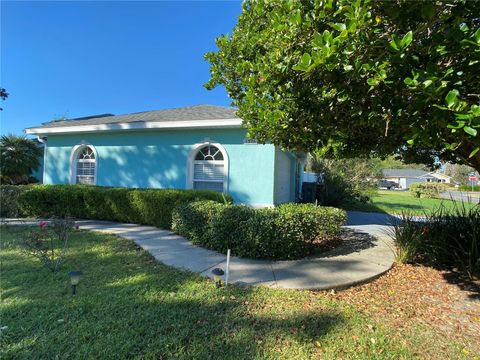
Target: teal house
193	147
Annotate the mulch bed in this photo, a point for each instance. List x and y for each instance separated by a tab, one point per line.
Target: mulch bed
444	300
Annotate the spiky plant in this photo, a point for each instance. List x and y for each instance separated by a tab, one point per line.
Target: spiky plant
19	156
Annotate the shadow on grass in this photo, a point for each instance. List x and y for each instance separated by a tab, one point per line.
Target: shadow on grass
128	305
403	206
359	206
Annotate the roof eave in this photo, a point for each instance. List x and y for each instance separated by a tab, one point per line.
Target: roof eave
167	125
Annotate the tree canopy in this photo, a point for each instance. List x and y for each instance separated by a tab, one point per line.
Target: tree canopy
357	78
19	157
3	95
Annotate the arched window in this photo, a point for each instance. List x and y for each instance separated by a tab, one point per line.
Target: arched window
209	169
85	166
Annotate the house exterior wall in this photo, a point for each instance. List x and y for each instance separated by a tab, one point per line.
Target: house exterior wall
411	181
158	159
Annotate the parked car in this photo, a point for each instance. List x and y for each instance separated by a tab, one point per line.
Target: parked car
389	185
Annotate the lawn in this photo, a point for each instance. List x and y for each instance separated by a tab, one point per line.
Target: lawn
130	306
396	202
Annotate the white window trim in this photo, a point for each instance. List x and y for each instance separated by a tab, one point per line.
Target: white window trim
191	163
73	162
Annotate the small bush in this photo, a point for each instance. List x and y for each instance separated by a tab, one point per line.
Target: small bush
287	232
49	243
427	190
141	206
469	188
442	238
9	200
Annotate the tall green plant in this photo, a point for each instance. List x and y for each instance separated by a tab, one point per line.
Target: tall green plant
19	157
441	237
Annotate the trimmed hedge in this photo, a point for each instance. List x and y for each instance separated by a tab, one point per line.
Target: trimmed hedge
289	231
427	190
9	200
140	206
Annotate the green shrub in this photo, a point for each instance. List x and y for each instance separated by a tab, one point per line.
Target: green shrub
443	238
469	188
9	200
287	232
141	206
407	233
427	189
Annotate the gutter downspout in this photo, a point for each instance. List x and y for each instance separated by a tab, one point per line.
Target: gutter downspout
43	140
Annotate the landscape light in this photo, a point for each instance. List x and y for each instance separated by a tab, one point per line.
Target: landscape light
217	276
74	280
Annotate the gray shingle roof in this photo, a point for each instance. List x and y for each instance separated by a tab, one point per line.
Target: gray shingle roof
186	113
405	173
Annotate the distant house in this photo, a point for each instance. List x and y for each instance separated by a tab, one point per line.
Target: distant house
193	147
405	177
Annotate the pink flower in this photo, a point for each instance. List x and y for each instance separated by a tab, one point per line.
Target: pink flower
42	224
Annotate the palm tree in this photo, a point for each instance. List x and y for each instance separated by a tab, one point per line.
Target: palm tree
19	156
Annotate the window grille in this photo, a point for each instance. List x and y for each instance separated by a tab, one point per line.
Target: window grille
86	166
209	169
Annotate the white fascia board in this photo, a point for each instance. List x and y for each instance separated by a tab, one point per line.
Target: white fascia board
190	124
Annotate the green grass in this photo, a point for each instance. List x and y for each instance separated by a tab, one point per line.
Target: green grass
396	202
130	306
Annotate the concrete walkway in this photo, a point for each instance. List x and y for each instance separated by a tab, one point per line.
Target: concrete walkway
366	255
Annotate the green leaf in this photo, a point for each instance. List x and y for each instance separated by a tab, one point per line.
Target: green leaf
317	39
427	83
327	37
459	125
394	43
304	63
407	39
475	110
472	154
372	81
410	142
477	36
306	59
451	97
338	26
296	18
470	131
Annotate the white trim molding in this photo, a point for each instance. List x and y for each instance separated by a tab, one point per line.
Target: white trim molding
73	162
190	124
43	140
260	205
191	163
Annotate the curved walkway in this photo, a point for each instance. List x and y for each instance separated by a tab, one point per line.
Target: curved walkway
360	258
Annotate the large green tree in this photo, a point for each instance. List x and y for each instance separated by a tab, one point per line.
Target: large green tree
357	78
19	157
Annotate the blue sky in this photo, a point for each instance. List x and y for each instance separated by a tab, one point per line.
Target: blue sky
78	59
